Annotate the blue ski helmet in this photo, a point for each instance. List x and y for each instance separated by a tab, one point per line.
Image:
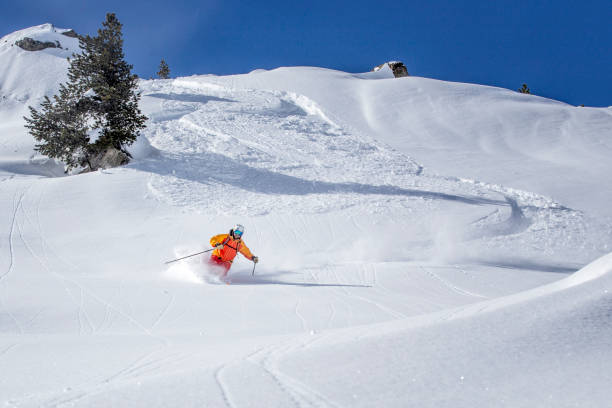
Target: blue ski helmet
237	231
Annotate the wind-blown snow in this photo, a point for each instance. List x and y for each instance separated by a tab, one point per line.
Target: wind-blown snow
419	242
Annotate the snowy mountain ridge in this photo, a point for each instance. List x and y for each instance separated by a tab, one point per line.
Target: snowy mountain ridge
33	74
422	243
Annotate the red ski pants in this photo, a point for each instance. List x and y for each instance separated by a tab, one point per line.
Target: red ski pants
219	264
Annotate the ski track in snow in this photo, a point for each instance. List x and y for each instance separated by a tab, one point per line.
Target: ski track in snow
163	313
149	364
79	302
299	394
301	318
7	349
81	313
387	310
223	388
16	207
449	285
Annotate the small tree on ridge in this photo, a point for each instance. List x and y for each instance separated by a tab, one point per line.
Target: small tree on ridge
524	89
164	70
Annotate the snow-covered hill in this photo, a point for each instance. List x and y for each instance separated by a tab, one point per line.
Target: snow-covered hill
25	78
419	242
480	132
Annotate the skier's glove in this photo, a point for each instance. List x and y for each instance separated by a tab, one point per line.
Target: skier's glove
219	246
255	259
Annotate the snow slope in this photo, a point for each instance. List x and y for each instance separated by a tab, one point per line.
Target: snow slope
389	275
544	347
480	132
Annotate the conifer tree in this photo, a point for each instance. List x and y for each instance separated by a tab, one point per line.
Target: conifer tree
524	89
114	88
62	129
97	109
164	70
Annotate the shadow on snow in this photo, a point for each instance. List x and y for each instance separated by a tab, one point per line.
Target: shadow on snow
213	168
527	265
186	97
258	280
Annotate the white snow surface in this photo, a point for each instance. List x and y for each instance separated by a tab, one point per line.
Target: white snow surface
422	243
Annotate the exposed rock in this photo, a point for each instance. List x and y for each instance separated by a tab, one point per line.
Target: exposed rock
397	67
111	157
30	44
71	34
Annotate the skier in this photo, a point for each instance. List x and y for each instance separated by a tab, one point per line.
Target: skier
227	247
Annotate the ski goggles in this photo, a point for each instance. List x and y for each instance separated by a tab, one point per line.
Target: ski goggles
237	233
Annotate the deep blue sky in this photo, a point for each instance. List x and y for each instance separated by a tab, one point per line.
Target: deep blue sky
562	49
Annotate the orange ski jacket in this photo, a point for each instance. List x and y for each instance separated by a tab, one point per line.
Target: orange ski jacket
231	247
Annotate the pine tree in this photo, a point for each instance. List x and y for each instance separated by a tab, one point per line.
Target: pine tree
524	89
164	70
99	102
62	129
115	88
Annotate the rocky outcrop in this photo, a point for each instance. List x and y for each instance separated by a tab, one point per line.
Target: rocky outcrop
107	159
71	34
30	44
397	67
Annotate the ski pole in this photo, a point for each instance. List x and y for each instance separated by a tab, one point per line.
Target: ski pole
189	256
253	273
